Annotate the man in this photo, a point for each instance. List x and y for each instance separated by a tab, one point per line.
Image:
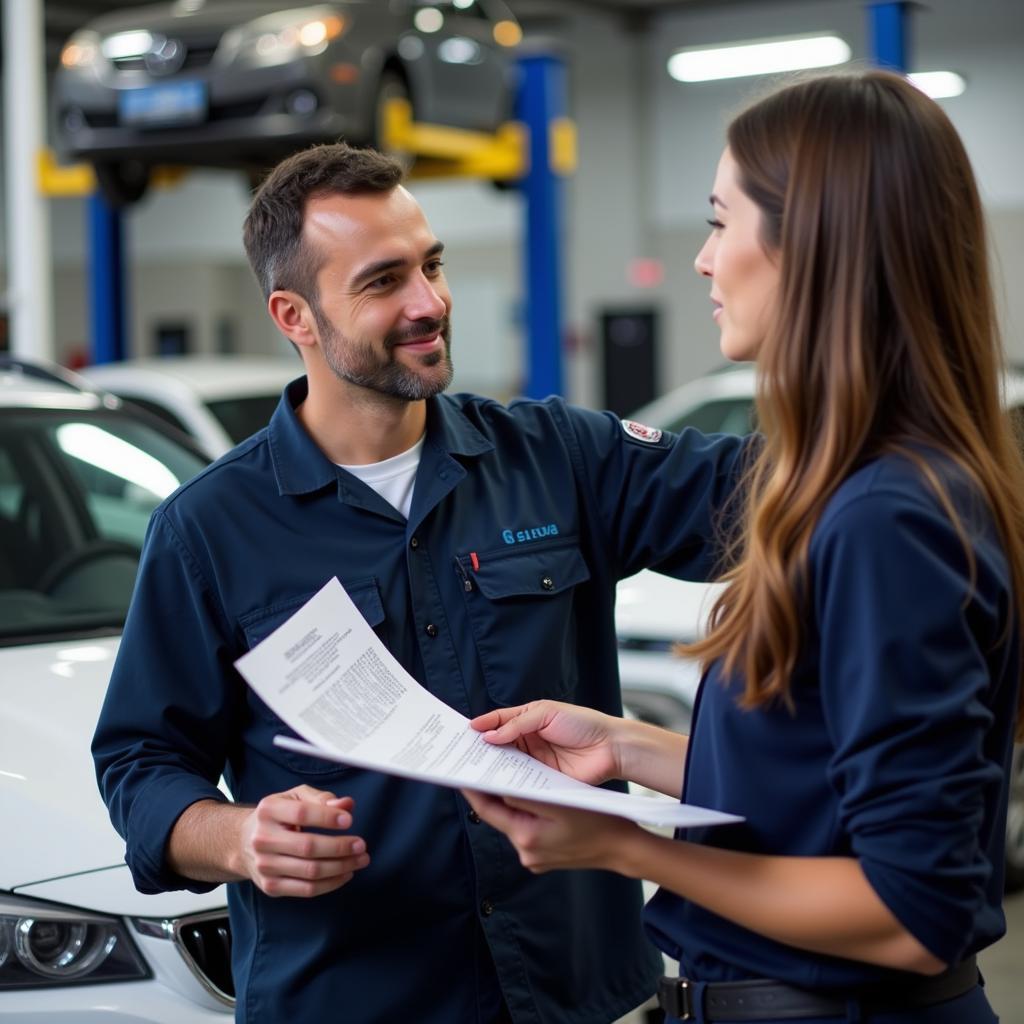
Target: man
483	544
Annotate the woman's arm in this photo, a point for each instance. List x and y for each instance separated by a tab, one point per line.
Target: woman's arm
821	904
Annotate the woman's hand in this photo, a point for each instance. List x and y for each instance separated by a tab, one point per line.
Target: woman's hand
548	837
577	741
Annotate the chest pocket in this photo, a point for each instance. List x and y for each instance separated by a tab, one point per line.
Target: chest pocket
263	724
523	612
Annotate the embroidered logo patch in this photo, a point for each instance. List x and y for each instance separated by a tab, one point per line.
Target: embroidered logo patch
534	533
652	435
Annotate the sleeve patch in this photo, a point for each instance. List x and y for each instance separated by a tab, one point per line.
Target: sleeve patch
652	435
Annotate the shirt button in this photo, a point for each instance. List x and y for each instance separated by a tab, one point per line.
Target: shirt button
487	908
431	629
414	543
548	583
474	817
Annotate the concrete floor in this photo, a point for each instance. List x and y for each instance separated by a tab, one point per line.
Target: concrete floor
1003	965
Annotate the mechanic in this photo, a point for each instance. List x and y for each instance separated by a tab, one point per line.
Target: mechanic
483	544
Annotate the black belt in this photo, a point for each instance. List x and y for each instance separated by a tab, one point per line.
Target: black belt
773	1000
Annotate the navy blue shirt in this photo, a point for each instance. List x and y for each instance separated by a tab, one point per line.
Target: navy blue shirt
498	590
897	749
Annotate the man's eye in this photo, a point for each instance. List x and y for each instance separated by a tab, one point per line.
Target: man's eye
434	266
379	283
716	225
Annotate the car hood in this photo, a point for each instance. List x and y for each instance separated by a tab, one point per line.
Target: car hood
650	606
61	845
111	891
51	696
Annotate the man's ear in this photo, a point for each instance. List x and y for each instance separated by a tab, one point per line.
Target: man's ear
293	317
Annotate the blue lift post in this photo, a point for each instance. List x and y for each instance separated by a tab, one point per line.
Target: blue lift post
106	281
889	25
542	98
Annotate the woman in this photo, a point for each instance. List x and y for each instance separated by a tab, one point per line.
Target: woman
861	671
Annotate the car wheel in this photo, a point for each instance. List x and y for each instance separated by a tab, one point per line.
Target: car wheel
123	183
392	86
1015	824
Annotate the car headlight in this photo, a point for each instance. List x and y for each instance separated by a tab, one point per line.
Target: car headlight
42	944
82	50
283	36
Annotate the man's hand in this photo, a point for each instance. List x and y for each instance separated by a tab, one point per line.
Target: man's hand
283	859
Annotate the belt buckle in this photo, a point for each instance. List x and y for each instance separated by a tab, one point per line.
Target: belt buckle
682	1000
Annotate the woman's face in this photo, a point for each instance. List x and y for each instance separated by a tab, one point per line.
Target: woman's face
744	275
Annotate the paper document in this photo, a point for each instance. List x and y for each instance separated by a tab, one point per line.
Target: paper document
327	675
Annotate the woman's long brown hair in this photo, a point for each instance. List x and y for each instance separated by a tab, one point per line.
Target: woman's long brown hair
885	334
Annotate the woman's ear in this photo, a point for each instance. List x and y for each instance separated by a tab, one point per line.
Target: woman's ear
293	317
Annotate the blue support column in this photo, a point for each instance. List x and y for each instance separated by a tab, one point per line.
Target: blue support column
889	29
106	281
542	97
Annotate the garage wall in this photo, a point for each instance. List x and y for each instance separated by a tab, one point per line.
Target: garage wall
983	41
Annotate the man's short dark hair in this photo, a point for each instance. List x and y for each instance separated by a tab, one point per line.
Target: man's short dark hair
273	225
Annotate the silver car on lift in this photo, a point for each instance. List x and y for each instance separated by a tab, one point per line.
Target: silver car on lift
242	83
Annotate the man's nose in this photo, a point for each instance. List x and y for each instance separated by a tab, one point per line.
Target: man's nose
427	301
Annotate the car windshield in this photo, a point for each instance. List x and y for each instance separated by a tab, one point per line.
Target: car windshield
242	417
718	416
77	488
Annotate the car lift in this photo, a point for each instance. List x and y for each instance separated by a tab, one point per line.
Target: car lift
532	153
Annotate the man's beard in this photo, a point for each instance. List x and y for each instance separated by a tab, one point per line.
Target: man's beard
363	365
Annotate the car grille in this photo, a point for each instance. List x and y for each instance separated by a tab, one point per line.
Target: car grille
198	54
205	943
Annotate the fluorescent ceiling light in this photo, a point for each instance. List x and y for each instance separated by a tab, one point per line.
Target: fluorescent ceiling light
940	85
767	57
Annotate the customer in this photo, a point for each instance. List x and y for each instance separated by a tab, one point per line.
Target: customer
862	669
483	544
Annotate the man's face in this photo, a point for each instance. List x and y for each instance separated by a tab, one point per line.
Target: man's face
383	303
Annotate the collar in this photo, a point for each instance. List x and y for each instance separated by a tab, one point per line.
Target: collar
300	467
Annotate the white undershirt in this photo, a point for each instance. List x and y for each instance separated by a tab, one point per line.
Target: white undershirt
394	478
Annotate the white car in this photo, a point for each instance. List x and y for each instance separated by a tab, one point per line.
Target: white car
79	476
218	401
654	613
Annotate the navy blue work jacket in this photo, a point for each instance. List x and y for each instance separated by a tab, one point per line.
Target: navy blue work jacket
498	590
897	748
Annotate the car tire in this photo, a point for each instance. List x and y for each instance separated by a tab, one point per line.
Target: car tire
392	86
122	184
1015	824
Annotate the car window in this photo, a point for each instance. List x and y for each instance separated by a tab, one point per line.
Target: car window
77	489
721	416
11	487
242	417
158	410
